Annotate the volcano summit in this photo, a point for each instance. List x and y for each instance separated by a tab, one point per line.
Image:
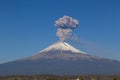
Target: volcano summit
61	58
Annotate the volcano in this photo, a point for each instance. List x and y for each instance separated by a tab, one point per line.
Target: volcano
62	59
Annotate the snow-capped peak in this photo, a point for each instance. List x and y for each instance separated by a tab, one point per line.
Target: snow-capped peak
63	46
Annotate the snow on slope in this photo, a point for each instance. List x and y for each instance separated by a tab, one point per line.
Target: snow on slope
62	46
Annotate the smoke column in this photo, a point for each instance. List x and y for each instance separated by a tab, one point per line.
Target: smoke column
65	26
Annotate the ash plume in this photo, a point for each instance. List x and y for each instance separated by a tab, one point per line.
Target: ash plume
65	26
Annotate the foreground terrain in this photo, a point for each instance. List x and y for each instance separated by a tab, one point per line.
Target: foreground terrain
55	77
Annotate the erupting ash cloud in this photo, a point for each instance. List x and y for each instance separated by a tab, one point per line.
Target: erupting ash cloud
65	25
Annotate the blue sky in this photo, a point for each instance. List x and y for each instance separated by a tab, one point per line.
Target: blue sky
27	26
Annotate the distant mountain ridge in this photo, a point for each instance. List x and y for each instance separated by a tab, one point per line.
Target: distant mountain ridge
61	58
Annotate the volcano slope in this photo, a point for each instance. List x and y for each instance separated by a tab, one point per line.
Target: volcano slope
61	59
